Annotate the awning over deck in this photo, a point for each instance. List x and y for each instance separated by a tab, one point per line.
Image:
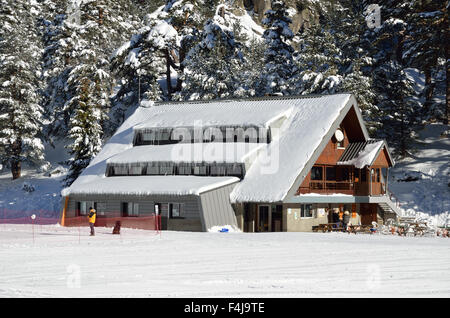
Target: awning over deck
362	154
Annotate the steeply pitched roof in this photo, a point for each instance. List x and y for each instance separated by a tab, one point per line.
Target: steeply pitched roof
283	164
279	167
259	112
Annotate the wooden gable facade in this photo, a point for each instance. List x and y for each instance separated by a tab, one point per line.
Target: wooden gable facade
328	177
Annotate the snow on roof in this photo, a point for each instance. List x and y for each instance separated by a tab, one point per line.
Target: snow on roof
218	113
278	164
147	185
366	156
186	152
277	167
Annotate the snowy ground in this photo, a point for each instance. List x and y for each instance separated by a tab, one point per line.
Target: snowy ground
18	202
429	192
64	262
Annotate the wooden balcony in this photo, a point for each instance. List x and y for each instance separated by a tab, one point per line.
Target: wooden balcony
343	187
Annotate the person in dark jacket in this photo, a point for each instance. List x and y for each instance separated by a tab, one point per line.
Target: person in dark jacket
335	218
92	216
346	220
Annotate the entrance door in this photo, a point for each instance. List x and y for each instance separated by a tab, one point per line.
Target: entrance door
158	212
249	218
368	213
263	218
277	218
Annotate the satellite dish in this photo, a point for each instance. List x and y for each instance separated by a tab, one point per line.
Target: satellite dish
339	135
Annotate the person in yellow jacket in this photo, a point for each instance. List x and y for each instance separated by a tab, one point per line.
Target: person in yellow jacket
92	215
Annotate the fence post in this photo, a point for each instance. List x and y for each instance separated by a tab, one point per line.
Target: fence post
33	216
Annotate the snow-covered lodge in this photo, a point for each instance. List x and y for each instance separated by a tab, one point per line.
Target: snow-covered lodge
258	165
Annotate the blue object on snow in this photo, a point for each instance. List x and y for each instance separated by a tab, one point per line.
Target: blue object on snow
223	230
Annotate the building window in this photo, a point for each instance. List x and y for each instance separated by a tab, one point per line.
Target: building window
306	211
234	170
345	174
218	170
363	175
176	210
331	173
101	208
166	169
135	170
83	208
200	170
163	135
316	173
130	209
152	169
185	169
121	170
148	136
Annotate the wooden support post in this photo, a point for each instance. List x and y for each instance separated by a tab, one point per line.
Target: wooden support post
63	216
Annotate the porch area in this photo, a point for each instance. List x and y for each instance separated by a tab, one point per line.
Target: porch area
345	180
312	214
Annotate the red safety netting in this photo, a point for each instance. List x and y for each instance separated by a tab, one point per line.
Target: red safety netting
150	222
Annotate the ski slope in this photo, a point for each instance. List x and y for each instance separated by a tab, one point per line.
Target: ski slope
63	262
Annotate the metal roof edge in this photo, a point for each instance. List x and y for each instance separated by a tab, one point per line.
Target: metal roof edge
239	99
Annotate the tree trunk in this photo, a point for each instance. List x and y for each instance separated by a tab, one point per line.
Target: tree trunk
182	57
168	77
16	169
447	70
100	15
428	91
447	91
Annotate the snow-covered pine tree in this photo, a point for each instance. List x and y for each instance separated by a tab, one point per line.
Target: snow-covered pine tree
399	107
187	18
20	113
347	19
156	52
212	67
361	85
251	83
100	23
55	65
85	129
137	65
278	57
319	60
426	41
89	84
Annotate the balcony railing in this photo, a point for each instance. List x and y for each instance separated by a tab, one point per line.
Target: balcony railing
328	187
342	187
